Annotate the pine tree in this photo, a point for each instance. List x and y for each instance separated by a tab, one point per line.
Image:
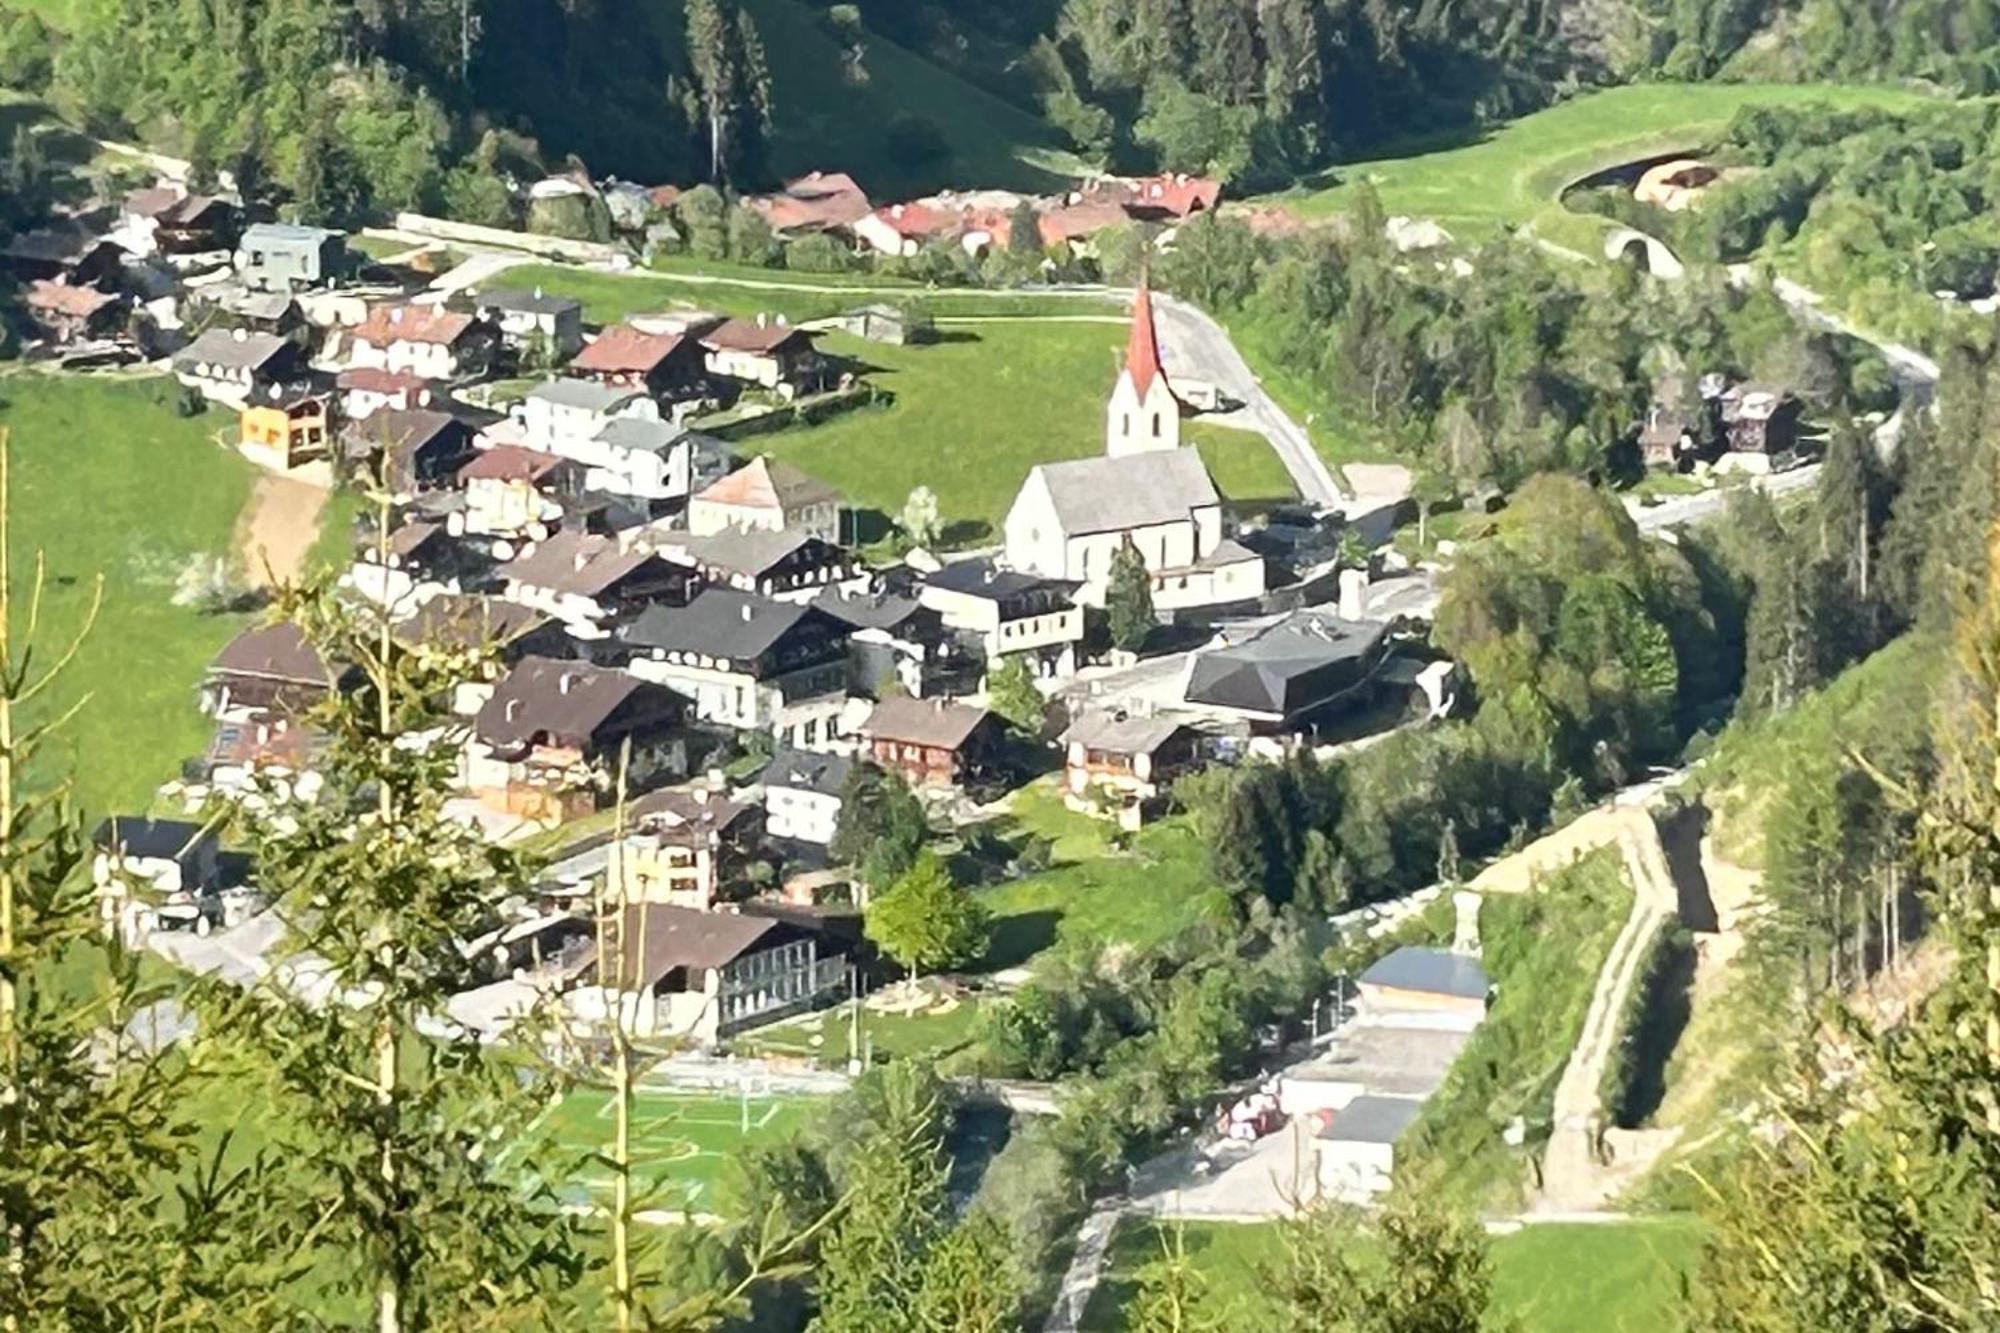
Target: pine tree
1011	692
1128	599
1432	1274
1172	1295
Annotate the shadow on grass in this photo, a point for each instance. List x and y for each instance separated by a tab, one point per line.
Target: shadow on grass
1018	938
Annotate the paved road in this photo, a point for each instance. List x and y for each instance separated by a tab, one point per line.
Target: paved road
1190	337
1685	509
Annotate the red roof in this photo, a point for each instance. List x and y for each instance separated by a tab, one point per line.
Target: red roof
624	350
1178	194
1074	221
508	462
743	335
1142	347
62	299
919	222
819	199
412	324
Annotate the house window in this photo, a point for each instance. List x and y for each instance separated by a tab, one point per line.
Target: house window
1125	424
1156	425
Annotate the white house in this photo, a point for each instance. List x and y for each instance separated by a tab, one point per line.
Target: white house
1143	414
533	320
802	795
1357	1152
425	340
1070	519
767	496
563	417
1011	612
635	456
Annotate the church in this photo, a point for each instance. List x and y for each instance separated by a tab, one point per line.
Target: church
1071	518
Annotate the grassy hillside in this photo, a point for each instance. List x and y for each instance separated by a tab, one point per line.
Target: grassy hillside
1511	176
108	482
1560	1278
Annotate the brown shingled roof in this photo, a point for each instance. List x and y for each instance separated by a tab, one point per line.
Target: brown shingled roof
929	722
765	483
412	323
623	349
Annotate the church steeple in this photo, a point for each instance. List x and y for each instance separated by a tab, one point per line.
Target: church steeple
1142	345
1143	414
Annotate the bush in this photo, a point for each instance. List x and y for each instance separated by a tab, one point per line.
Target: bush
818	253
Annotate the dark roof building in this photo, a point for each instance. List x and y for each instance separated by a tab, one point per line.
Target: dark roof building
1431	972
753	634
572	705
152	839
1370	1119
1286	671
804	770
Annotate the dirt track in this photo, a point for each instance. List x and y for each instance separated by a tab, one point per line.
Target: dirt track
280	522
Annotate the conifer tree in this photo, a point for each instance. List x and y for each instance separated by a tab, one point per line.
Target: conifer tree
1128	599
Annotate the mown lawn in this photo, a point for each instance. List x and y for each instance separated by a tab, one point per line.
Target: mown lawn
1245	466
1512	175
1093	892
1560	1278
108	481
828	1035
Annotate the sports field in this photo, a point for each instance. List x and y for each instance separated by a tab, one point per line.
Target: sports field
680	1141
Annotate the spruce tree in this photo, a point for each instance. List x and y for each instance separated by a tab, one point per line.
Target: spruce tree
1128	599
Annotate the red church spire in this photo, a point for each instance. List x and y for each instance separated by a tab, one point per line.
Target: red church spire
1142	348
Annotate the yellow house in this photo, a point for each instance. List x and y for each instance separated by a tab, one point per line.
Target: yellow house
285	428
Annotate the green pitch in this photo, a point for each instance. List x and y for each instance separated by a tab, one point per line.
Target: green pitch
680	1142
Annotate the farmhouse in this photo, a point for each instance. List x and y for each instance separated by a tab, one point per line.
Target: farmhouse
66	314
765	495
930	742
533	323
1127	760
506	493
546	745
693	976
225	364
630	357
748	663
764	351
271	669
425	340
587	581
786	564
818	201
414	449
165	220
366	390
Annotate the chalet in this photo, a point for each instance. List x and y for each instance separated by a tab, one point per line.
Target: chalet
688	845
1070	519
1125	760
766	352
587	581
271	669
285	257
284	426
226	364
687	976
1170	198
65	251
66	314
546	745
564	416
1760	425
165	220
1288	674
817	202
533	325
418	559
507	494
786	564
749	663
425	340
366	390
802	795
257	312
1009	613
765	495
629	357
1429	981
929	742
508	631
410	449
896	642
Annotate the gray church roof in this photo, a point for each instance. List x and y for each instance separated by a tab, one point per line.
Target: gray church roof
1135	491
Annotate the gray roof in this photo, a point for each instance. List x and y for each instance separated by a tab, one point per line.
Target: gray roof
1369	1119
1135	491
1123	733
982	578
931	722
536	302
750	552
641	434
721	622
286	233
234	347
588	394
1286	667
1433	971
649	940
572	561
568	701
822	773
878	610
